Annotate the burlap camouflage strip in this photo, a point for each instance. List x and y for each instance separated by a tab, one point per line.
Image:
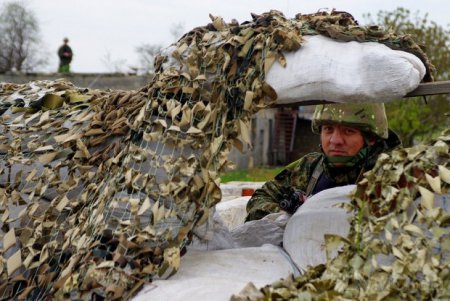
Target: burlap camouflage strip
101	190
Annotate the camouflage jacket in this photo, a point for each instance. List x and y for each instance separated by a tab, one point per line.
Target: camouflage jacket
298	174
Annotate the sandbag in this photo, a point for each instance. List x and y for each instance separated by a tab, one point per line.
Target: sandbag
303	238
326	69
233	212
216	275
212	235
232	190
268	230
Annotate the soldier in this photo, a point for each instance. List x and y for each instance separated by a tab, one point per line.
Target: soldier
352	136
65	57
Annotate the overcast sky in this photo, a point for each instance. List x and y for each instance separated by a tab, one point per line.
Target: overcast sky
102	30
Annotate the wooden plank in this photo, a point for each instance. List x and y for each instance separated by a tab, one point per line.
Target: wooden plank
433	88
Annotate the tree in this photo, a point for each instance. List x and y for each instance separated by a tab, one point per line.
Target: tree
147	52
114	65
415	119
20	43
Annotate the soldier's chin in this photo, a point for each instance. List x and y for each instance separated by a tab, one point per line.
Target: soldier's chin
338	164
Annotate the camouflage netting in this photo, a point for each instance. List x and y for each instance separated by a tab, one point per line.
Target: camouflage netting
101	191
398	247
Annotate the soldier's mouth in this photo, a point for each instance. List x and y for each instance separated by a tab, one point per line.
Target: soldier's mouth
337	153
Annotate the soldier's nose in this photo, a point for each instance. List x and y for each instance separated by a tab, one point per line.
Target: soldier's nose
336	137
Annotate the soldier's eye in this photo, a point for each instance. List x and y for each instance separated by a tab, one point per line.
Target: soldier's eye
350	131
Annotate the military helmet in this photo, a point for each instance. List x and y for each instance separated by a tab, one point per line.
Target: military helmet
368	117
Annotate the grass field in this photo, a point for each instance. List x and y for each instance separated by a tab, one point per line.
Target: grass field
260	174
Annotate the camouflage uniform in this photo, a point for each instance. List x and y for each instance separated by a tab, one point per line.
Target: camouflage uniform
299	174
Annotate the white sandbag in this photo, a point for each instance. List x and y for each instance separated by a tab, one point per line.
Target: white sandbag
216	275
270	229
326	69
304	235
212	235
233	189
233	212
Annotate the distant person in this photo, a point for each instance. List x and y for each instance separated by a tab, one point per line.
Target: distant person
65	57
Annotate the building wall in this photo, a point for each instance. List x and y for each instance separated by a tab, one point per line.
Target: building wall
262	136
263	153
305	141
84	80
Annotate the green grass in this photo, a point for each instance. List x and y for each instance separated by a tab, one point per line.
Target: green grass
260	174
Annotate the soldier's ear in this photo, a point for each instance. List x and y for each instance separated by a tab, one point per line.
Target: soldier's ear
370	138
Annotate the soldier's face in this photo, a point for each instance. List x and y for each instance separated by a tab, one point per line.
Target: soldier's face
340	140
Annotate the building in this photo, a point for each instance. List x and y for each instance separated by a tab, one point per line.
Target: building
279	136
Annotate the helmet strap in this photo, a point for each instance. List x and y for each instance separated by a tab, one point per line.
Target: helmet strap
347	161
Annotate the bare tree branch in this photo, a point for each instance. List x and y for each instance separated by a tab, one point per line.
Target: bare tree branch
19	29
